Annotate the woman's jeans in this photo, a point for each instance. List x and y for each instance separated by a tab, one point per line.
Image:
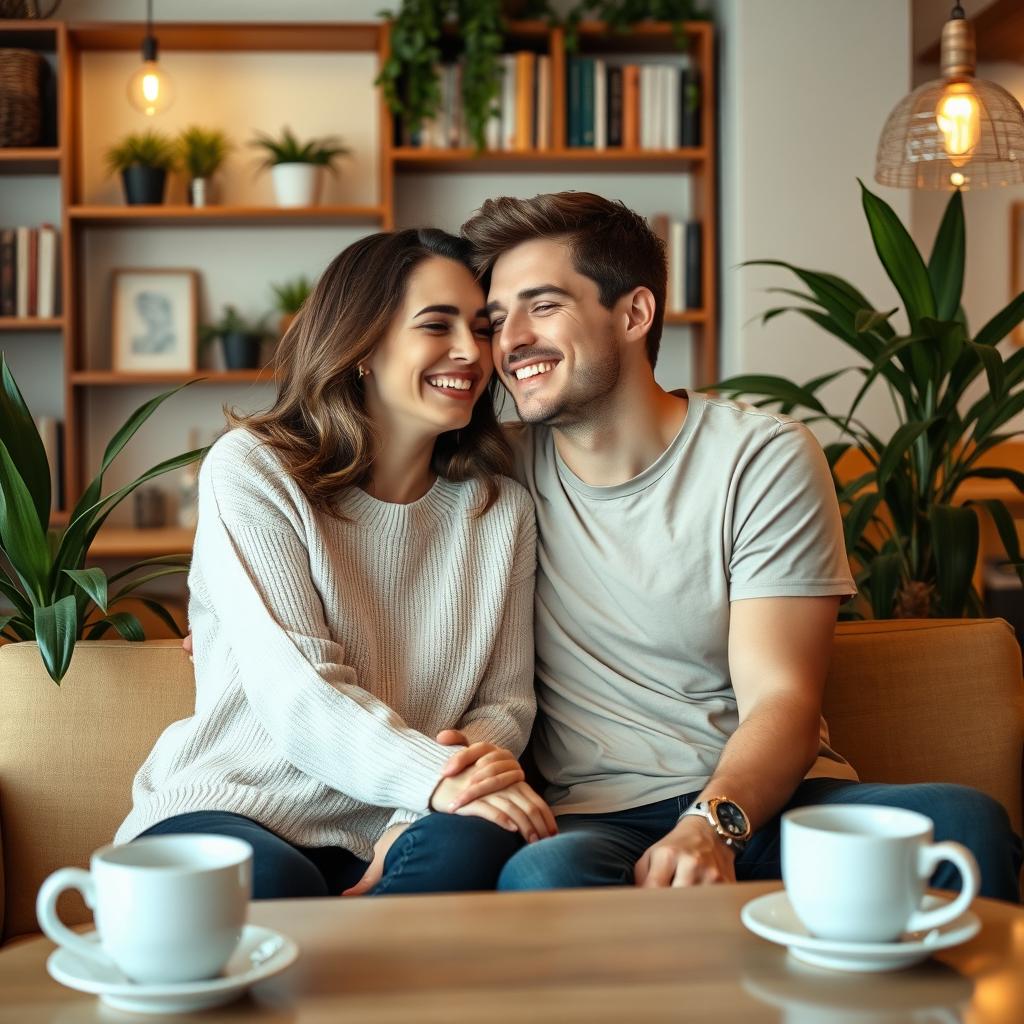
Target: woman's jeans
438	853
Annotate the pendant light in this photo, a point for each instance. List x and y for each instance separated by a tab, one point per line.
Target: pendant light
957	131
149	89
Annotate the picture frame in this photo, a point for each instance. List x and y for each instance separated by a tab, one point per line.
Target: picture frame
1017	261
154	320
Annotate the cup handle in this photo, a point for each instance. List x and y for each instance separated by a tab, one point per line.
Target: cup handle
51	924
929	858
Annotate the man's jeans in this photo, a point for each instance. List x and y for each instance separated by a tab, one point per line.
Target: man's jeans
601	849
438	853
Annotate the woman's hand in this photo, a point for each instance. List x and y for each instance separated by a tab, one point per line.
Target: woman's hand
375	871
517	807
477	771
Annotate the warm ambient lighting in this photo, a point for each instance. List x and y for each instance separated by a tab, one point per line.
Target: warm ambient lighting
150	90
957	131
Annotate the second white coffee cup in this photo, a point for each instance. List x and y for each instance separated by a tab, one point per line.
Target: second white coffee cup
167	908
857	872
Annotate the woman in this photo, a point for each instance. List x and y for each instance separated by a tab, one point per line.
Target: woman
362	581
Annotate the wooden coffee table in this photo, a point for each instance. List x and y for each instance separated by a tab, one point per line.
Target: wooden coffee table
620	955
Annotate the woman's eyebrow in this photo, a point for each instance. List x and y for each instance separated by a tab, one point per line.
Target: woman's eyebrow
450	310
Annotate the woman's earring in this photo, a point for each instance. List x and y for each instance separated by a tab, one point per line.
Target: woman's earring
363	372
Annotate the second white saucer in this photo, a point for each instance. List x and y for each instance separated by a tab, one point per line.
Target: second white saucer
773	918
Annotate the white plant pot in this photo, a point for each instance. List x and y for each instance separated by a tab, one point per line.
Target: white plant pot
198	191
297	184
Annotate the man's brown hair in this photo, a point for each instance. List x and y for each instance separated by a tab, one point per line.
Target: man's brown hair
608	242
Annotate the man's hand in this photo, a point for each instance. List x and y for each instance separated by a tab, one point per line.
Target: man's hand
691	854
375	872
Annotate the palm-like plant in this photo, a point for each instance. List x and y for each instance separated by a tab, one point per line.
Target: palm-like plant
289	150
290	295
202	150
55	599
914	547
144	149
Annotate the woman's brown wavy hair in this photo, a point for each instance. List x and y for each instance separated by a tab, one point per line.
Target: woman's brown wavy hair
319	425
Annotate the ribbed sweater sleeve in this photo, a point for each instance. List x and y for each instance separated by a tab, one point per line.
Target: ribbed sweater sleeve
293	674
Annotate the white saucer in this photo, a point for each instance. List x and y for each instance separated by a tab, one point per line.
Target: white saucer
261	954
773	918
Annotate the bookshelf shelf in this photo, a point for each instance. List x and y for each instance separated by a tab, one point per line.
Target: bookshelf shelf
31	323
681	318
411	158
36	160
128	542
154	216
112	378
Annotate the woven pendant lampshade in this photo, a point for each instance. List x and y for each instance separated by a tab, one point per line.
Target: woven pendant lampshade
956	131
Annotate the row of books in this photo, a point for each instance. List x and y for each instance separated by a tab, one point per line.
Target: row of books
632	106
51	433
635	106
683	241
28	271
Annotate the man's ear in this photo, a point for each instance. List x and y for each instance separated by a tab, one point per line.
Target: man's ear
638	309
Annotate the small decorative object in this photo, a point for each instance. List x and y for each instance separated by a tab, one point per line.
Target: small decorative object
53	598
21	112
297	167
150	508
201	151
154	320
143	160
289	297
241	339
150	90
913	541
957	131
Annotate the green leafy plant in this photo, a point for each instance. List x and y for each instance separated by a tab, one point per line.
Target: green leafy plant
232	322
55	600
289	150
202	150
290	295
147	149
913	545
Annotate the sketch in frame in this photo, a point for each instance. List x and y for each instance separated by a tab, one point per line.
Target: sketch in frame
154	320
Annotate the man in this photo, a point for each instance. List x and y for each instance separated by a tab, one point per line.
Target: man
690	568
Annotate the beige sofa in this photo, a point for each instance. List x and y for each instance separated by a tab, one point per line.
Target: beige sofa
906	701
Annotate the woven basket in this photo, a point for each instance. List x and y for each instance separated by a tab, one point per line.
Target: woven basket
20	106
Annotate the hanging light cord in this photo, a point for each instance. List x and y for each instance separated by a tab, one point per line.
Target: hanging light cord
958	13
149	17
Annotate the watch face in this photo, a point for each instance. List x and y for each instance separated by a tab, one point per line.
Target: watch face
731	818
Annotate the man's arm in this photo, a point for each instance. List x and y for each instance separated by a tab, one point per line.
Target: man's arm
779	651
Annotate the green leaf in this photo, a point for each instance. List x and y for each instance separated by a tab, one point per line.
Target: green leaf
1002	323
14	595
56	626
143	580
1007	531
18	430
946	266
855	522
993	363
1015	476
183	560
868	319
899	444
126	624
93	582
777	388
899	256
954	530
21	535
884	580
163	615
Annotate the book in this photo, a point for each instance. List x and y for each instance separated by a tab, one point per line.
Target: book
21	272
33	272
8	262
694	238
676	299
543	107
631	107
690	107
600	105
526	71
47	271
575	132
508	102
613	127
671	100
586	101
648	139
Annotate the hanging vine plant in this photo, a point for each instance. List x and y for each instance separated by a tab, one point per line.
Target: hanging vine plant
409	75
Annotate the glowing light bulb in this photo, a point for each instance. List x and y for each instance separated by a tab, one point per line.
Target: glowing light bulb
150	89
958	115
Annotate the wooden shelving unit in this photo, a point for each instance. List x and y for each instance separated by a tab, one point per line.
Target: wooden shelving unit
69	43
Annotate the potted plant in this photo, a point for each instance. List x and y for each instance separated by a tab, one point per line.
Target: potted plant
143	160
289	297
241	339
913	543
201	151
54	599
297	167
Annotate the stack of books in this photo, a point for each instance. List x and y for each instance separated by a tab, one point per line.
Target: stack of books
522	115
683	241
28	271
632	106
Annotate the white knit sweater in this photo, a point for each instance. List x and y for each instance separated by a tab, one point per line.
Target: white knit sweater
328	654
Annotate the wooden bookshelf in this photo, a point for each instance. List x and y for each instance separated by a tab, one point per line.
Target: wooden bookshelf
37	160
111	378
128	542
31	323
172	215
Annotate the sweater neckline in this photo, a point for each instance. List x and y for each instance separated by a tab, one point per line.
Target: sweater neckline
436	504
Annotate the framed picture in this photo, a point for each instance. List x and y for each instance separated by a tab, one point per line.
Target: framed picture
154	320
1017	260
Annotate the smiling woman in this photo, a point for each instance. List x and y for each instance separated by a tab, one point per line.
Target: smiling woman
361	602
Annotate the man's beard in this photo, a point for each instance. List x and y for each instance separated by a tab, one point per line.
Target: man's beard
585	397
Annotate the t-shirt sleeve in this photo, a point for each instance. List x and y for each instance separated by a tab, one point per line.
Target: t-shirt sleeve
787	531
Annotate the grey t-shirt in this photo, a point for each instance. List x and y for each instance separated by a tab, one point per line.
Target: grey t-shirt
634	583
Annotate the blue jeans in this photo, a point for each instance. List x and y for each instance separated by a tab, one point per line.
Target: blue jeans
438	853
601	849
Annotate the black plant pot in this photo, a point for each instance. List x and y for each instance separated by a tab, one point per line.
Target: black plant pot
143	185
242	351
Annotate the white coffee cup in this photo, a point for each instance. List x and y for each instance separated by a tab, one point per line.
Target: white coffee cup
857	872
167	908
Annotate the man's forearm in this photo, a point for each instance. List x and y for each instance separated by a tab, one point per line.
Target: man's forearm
765	759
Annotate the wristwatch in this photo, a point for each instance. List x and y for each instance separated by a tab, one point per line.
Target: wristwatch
726	817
